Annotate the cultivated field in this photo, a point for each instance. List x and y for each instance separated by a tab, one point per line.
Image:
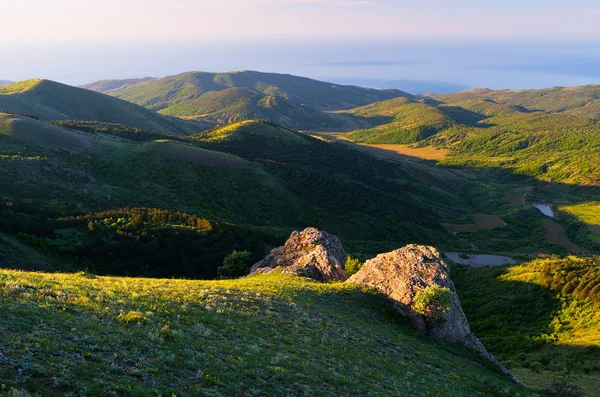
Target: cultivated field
556	235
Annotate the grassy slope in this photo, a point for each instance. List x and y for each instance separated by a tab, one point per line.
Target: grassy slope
399	121
54	101
162	93
538	317
237	104
266	335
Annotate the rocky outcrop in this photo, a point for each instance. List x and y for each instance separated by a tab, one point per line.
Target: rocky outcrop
402	274
310	253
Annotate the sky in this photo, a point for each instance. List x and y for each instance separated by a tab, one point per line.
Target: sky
475	43
123	20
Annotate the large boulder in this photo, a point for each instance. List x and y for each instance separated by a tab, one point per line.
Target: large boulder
402	274
310	253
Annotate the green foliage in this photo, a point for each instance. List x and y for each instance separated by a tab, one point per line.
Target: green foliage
433	301
352	266
235	265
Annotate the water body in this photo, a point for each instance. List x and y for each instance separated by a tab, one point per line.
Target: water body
545	209
480	260
488	63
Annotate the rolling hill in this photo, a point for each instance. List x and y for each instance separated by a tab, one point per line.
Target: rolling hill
238	104
549	134
49	100
5	82
400	120
584	100
161	93
295	102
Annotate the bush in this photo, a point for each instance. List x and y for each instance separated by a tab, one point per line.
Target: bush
433	301
352	266
235	265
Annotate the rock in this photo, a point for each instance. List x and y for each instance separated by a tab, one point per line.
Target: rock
310	253
403	273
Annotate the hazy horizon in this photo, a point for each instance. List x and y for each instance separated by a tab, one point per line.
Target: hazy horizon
493	64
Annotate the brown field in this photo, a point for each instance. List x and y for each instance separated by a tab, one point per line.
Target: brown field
514	198
401	152
405	152
482	222
556	235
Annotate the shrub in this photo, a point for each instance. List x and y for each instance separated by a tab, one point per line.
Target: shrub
131	317
352	266
235	265
433	301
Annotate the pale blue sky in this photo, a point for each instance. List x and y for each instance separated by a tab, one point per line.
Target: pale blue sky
151	20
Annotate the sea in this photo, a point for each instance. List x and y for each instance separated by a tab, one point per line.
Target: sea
415	65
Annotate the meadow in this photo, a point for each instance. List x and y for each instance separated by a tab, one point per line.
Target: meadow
259	336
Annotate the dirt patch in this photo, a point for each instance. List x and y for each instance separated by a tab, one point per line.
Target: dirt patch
514	198
482	222
556	235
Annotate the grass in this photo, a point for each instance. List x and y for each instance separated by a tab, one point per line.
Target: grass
537	317
266	335
588	213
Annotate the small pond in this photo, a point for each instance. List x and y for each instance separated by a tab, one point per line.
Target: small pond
545	209
480	260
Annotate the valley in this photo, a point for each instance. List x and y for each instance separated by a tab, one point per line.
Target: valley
153	179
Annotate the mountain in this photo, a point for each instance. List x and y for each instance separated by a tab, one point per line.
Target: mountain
107	86
295	102
5	82
238	104
161	93
581	101
49	100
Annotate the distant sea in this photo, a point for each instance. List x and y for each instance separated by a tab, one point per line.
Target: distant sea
415	65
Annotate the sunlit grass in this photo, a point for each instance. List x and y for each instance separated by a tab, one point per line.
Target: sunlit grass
79	334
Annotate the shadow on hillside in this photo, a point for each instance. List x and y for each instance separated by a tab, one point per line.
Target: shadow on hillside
516	321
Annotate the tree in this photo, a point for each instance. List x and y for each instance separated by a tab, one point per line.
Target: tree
235	265
352	266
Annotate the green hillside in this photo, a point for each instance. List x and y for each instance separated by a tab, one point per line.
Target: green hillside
49	100
238	104
582	100
168	91
266	335
259	178
399	121
538	317
551	135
